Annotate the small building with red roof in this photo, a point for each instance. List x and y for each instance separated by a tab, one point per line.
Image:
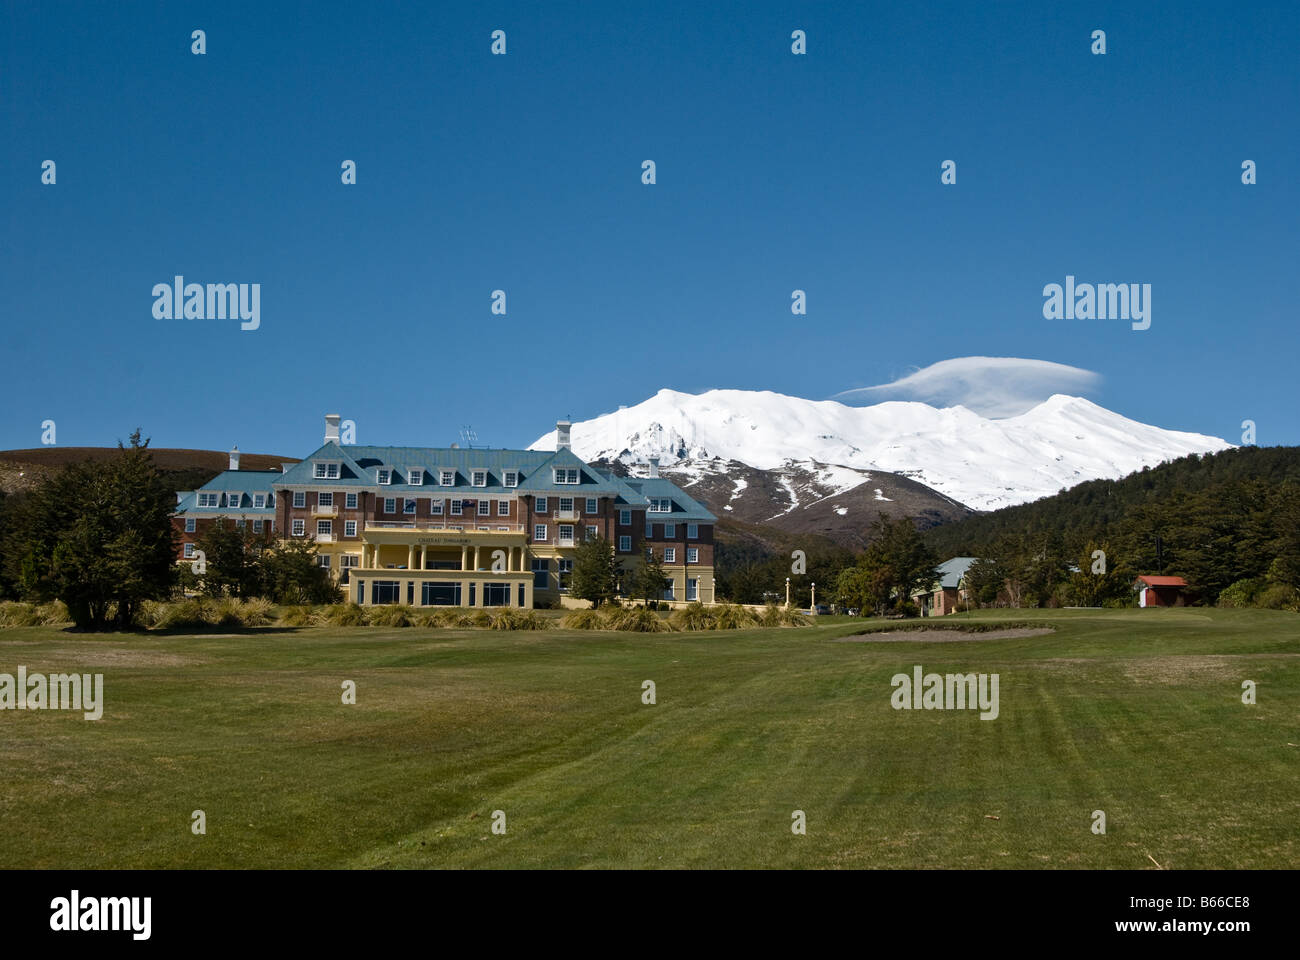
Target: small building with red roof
1160	591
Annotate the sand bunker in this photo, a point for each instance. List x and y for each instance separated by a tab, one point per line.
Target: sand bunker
943	636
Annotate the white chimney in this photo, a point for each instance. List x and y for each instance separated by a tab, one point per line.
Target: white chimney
332	421
654	467
234	458
562	428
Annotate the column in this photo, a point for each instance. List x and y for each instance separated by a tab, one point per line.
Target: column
424	556
410	556
464	557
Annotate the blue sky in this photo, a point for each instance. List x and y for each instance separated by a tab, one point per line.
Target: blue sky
523	172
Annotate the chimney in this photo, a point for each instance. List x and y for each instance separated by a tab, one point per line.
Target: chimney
654	467
562	434
234	458
332	421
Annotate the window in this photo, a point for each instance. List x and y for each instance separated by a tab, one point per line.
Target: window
670	530
503	508
670	554
350	501
408	506
511	478
565	574
240	523
324	528
189	524
566	532
455	508
692	589
233	498
496	594
390	504
541	573
258	525
566	504
325	499
692	554
485	508
591	531
435	507
661	505
384	591
668	590
649	531
541	504
478	478
349	528
416	479
624	544
189	551
441	594
320	471
299	499
447	478
259	501
539	532
692	531
625	518
384	475
566	475
349	560
209	499
299	527
592	506
326	471
324	560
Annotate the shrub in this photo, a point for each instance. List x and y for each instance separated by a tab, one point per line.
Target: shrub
693	617
732	616
1279	596
511	619
345	615
1241	594
774	616
585	620
637	620
182	615
297	615
15	614
390	615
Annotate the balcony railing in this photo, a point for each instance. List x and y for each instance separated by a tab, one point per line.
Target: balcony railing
319	511
566	515
466	525
324	538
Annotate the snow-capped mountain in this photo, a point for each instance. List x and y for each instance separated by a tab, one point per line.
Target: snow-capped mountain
980	462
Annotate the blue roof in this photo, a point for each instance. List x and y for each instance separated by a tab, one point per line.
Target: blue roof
244	483
684	508
951	571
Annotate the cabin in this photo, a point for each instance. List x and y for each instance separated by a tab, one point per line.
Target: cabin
948	592
1160	591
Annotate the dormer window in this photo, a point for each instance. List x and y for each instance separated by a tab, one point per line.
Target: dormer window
383	476
259	501
325	470
209	499
416	478
233	498
511	478
447	478
478	478
566	475
658	505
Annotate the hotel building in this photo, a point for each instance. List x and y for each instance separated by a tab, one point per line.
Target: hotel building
446	526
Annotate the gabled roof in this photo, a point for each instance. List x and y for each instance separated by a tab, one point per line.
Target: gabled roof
950	574
1162	581
245	482
684	508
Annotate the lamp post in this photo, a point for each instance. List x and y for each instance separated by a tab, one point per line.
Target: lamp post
713	592
787	593
813	606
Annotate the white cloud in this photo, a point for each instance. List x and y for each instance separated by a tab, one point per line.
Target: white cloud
990	386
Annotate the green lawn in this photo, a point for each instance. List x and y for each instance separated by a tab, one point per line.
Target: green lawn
1137	713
